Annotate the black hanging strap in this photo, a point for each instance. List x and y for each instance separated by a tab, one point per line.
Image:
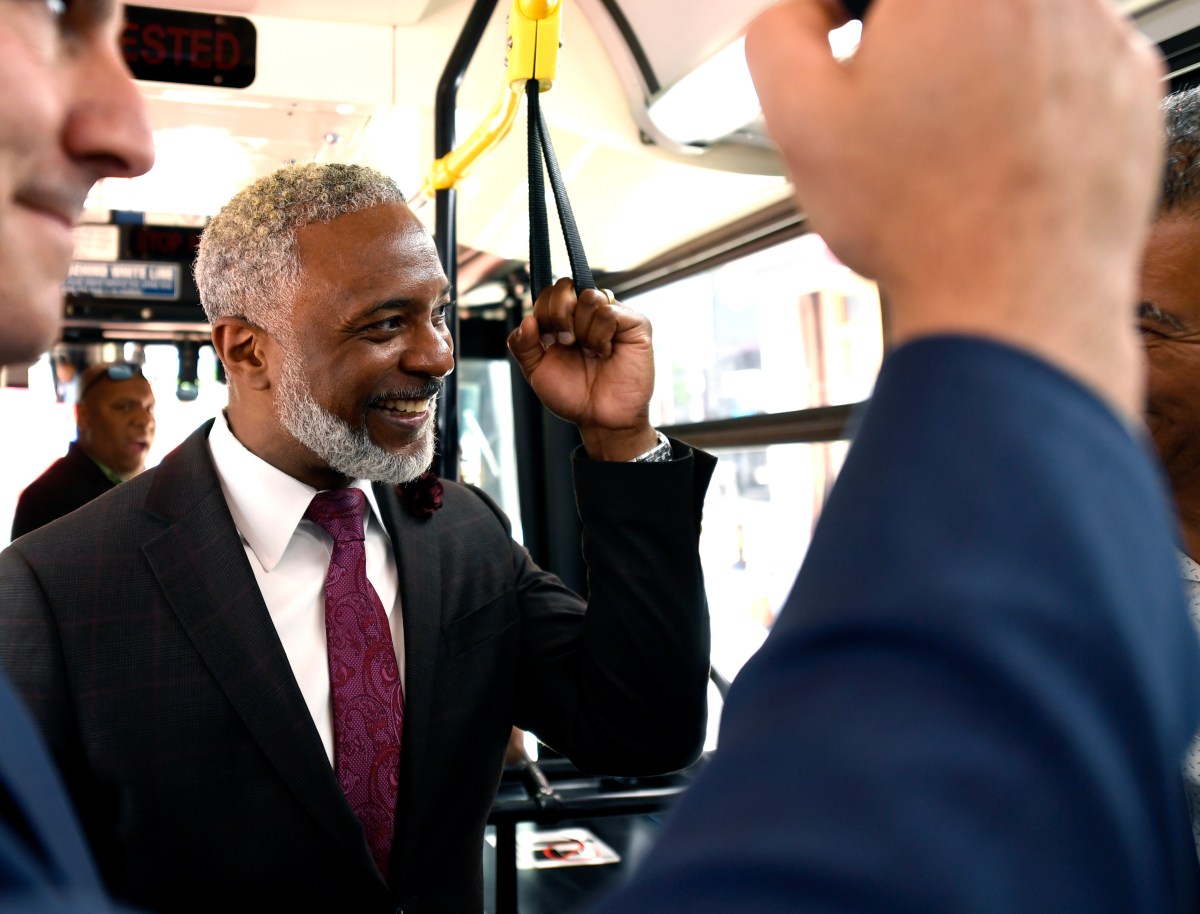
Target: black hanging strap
540	273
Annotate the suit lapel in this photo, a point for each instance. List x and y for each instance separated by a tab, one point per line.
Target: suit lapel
418	560
202	568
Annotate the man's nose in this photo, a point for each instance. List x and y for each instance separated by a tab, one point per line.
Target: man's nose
431	352
107	127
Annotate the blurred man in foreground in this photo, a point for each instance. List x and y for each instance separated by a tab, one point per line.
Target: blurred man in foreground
71	116
993	719
114	422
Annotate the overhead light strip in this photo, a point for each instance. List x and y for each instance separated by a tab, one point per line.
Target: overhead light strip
718	97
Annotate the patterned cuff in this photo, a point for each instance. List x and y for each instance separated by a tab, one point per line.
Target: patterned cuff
660	453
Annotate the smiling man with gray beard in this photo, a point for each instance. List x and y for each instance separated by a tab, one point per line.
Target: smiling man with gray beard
350	450
270	682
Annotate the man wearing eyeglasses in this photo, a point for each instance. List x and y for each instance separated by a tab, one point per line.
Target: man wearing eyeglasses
114	418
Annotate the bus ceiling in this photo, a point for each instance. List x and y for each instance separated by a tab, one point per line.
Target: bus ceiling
361	88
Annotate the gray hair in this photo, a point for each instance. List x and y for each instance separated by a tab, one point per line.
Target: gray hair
247	265
1181	177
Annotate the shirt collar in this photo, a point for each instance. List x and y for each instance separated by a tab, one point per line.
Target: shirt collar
266	503
115	478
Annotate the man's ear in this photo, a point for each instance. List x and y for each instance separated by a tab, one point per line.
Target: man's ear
246	351
81	419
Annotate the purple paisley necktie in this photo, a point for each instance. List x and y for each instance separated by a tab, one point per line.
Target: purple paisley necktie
368	697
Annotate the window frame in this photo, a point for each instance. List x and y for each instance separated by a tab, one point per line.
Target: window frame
771	226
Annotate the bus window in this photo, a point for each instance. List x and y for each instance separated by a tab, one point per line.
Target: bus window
487	452
759	516
783	329
791	337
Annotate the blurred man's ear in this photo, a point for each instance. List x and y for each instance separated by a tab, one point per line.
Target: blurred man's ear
246	351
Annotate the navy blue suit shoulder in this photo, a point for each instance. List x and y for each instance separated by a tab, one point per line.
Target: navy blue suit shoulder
44	862
978	695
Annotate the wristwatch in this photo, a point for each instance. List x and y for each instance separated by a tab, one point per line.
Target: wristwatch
660	453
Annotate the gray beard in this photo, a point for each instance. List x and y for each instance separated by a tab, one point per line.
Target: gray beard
349	451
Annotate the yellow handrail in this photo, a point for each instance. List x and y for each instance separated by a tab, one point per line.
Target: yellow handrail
534	30
447	171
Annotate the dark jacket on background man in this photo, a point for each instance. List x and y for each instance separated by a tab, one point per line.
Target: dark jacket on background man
69	483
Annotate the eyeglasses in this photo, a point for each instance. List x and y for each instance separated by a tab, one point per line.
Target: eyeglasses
120	371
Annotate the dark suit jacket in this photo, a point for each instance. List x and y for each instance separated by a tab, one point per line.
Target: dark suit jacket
978	696
136	632
69	483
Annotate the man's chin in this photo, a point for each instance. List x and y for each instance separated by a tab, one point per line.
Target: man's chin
413	451
374	450
31	325
396	466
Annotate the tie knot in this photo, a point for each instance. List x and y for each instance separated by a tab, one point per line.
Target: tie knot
340	512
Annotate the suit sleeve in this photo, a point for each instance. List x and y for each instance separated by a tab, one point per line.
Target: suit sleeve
622	688
979	693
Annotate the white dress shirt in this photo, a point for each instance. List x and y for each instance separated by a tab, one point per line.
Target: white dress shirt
290	558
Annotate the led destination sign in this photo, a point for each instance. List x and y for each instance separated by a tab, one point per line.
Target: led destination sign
199	49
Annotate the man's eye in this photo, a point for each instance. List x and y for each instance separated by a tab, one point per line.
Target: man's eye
388	325
440	313
69	16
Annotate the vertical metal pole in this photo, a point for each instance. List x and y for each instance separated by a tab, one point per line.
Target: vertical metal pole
446	229
445	235
506	867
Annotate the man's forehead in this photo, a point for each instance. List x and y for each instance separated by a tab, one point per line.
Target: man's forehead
394	217
386	239
1170	280
137	387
